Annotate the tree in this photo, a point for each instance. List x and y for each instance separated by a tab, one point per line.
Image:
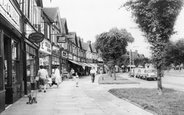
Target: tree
112	46
174	53
156	18
141	61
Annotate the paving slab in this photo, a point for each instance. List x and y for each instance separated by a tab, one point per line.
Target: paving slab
87	99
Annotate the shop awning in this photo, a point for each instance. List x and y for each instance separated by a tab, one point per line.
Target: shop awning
88	65
75	62
81	64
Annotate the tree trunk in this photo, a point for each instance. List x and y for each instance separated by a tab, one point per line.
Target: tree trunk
110	72
114	70
159	80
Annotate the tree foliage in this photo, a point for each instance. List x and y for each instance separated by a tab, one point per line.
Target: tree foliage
174	53
112	45
156	18
141	61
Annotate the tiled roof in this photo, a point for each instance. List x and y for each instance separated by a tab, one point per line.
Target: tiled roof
93	47
51	12
64	25
72	37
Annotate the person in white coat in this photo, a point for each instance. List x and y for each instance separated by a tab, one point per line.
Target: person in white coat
57	76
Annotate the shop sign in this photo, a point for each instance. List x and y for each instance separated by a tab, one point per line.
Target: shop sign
45	46
36	37
64	54
55	50
61	39
10	13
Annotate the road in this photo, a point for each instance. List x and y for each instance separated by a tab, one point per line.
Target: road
174	80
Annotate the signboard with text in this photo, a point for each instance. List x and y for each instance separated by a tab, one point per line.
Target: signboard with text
45	46
10	13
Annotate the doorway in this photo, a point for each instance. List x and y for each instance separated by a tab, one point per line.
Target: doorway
6	67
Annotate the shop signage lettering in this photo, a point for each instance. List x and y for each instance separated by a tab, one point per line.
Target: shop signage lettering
36	37
10	13
45	46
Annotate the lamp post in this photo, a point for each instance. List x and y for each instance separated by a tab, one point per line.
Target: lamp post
130	56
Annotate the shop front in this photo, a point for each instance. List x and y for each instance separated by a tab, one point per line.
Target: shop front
55	58
10	55
31	64
64	62
31	60
45	52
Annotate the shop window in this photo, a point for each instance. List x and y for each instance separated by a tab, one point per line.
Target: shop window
31	62
15	63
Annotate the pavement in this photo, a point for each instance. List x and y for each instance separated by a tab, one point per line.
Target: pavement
86	99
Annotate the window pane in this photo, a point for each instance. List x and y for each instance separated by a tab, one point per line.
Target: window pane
31	66
15	78
14	50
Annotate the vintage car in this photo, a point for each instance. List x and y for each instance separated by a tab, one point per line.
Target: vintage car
150	74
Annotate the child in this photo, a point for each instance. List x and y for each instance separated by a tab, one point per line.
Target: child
49	81
76	78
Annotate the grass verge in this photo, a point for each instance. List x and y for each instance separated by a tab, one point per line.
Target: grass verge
171	102
106	79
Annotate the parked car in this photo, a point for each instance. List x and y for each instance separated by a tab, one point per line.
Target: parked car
150	74
137	72
142	73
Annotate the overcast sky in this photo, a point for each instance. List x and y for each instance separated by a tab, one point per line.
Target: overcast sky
91	17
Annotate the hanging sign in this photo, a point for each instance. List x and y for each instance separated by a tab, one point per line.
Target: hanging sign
61	39
36	37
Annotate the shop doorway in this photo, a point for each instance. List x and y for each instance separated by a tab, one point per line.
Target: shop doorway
6	66
11	67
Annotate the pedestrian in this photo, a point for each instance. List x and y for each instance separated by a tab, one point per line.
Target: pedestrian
57	76
49	81
71	73
76	78
43	75
93	73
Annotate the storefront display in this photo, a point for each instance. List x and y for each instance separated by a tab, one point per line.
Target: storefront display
45	52
55	58
30	65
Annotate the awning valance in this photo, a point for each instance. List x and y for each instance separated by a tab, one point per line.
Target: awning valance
81	64
75	62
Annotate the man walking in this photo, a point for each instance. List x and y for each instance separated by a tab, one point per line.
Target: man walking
43	75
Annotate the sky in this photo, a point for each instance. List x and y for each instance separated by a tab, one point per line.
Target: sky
89	18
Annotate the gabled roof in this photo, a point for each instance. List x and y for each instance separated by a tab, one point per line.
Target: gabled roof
93	47
79	42
51	12
64	25
72	36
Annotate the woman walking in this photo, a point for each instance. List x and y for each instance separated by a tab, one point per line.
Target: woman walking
93	73
57	76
